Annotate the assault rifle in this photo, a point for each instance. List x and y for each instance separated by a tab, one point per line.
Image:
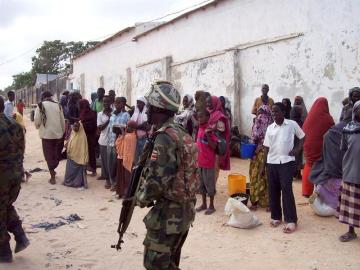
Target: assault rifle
129	201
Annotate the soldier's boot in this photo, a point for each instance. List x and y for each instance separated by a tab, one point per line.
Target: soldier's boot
5	253
22	241
52	177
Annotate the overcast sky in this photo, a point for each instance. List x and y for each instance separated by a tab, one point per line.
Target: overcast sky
25	24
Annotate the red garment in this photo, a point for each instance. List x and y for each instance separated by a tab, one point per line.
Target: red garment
317	123
87	117
307	186
206	155
20	107
216	115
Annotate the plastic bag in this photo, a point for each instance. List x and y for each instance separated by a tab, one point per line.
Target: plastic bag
320	208
240	216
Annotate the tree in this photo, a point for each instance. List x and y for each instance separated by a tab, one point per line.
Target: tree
55	56
52	57
3	92
23	79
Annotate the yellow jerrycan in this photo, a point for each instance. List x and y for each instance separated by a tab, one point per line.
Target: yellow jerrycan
236	183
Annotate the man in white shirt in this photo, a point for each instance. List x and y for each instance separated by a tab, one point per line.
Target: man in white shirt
280	158
49	119
103	120
9	105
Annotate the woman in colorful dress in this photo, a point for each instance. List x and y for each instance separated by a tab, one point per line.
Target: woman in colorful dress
259	183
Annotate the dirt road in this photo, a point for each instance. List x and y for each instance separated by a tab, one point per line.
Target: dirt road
210	245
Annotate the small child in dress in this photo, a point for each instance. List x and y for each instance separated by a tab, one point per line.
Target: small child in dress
206	142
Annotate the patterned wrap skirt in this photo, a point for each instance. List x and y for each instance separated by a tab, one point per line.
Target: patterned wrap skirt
349	204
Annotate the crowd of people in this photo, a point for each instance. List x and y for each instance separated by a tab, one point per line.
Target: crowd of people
291	143
285	135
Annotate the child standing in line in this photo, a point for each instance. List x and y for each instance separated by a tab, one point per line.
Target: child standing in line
126	147
206	142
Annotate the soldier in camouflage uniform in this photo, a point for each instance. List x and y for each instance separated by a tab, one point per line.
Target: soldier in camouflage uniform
12	147
169	181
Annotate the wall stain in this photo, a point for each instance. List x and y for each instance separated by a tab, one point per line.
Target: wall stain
329	71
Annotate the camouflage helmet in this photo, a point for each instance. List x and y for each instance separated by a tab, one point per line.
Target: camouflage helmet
164	95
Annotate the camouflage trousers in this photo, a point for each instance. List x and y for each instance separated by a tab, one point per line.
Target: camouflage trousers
10	184
163	251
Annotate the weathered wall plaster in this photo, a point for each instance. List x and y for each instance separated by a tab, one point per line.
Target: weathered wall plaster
325	61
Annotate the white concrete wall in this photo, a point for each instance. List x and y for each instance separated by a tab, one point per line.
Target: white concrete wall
325	61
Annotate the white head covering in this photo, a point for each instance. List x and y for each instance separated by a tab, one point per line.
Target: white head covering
140	117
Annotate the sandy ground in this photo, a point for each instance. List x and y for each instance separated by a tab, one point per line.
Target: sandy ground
210	245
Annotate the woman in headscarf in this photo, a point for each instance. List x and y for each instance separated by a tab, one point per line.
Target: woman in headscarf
226	106
317	123
326	173
142	127
88	120
200	100
73	107
77	153
287	103
349	206
220	124
300	102
259	182
354	96
186	116
296	115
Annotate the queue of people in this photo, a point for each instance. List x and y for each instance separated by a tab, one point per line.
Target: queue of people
290	143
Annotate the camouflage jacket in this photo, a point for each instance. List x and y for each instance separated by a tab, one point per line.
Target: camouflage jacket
12	146
170	180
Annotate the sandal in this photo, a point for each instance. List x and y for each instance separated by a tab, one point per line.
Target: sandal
107	186
52	181
210	211
347	237
253	207
201	208
289	228
275	223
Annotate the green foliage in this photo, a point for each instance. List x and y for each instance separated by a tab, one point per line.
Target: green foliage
23	79
55	56
49	57
52	57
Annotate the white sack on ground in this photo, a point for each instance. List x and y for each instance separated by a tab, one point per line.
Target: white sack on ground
320	208
240	216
